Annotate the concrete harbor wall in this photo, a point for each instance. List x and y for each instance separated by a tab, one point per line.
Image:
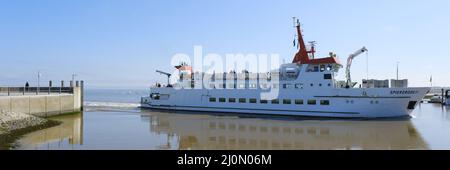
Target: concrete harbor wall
45	104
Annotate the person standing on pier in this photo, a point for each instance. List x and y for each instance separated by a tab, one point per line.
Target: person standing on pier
27	85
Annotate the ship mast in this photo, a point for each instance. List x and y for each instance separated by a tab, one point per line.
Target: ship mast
302	54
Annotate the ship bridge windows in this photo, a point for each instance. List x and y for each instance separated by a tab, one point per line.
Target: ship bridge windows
252	100
329	67
222	100
312	68
327	76
322	68
316	69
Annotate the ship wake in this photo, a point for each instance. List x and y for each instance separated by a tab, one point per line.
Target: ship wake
110	106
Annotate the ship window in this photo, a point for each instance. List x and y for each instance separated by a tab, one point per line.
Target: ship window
327	76
275	101
329	67
284	86
252	100
253	86
312	102
320	84
324	102
298	101
212	99
155	96
312	84
299	86
322	68
222	100
263	101
316	68
231	86
287	101
232	100
242	100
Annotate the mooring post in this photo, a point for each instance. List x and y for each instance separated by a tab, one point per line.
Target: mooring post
60	87
82	94
49	86
71	86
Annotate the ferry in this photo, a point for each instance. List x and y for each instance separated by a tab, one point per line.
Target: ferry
306	87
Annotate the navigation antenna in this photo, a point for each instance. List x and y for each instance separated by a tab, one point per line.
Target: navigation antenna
295	23
313	50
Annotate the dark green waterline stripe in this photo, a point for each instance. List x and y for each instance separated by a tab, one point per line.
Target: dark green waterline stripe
258	109
381	97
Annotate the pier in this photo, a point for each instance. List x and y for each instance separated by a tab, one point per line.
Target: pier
43	101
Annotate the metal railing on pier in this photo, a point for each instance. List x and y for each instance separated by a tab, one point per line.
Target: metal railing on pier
18	91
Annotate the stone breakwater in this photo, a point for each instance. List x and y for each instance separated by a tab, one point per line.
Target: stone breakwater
10	121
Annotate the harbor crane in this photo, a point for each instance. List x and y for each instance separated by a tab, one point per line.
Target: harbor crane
167	74
349	64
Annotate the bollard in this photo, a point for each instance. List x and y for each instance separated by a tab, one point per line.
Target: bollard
82	95
60	87
49	86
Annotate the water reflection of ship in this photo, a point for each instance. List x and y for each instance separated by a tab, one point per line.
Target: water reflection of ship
210	132
71	129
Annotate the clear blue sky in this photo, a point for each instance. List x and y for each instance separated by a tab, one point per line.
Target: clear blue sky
119	43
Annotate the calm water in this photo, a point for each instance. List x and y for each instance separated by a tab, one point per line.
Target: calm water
112	121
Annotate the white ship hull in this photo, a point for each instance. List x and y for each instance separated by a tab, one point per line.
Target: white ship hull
342	103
